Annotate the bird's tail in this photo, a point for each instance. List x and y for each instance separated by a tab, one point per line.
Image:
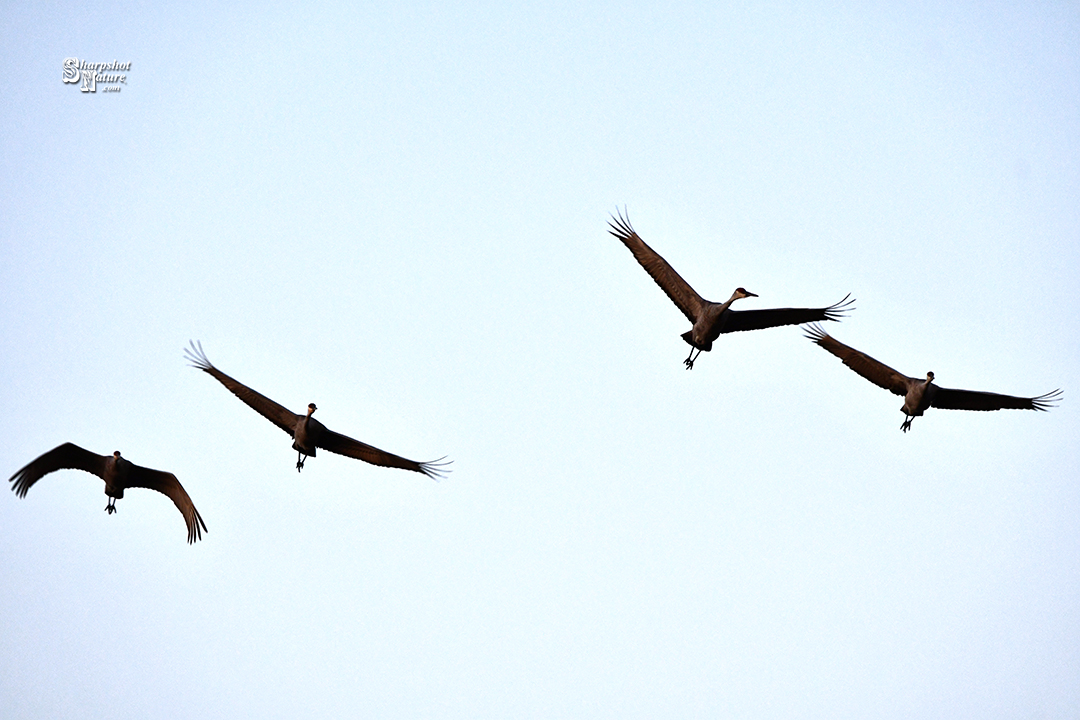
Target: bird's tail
688	336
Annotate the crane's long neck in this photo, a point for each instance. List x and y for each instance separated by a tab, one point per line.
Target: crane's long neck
734	296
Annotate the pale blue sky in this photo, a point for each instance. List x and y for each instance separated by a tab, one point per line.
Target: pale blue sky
399	212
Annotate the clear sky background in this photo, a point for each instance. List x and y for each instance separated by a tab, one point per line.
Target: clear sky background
398	211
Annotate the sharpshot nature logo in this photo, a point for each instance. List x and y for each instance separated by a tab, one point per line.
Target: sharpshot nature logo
106	73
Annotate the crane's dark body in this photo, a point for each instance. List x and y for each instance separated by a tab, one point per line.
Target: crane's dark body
118	473
309	434
711	319
922	394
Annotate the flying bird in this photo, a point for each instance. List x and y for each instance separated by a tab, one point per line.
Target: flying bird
711	319
307	432
919	395
118	473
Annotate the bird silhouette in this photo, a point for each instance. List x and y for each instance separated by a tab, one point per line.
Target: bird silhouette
118	473
920	395
711	319
308	433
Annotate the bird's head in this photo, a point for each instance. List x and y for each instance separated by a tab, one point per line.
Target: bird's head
929	377
116	454
311	409
744	293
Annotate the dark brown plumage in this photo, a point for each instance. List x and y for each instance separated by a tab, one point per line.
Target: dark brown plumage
712	319
118	473
307	432
919	395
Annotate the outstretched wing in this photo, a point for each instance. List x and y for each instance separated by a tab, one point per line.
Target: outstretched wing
950	399
342	445
876	372
167	484
277	414
66	456
665	276
739	320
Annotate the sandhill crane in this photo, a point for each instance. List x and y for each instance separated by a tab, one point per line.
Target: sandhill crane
307	432
118	473
919	395
710	319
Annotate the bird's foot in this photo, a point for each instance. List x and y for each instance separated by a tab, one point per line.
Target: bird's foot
111	507
688	363
300	464
907	424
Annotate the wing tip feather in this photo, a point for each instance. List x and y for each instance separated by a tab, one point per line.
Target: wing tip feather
436	469
838	311
196	357
815	333
620	224
1047	400
194	530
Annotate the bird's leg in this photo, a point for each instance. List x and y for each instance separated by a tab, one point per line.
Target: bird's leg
907	423
111	507
299	461
689	361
